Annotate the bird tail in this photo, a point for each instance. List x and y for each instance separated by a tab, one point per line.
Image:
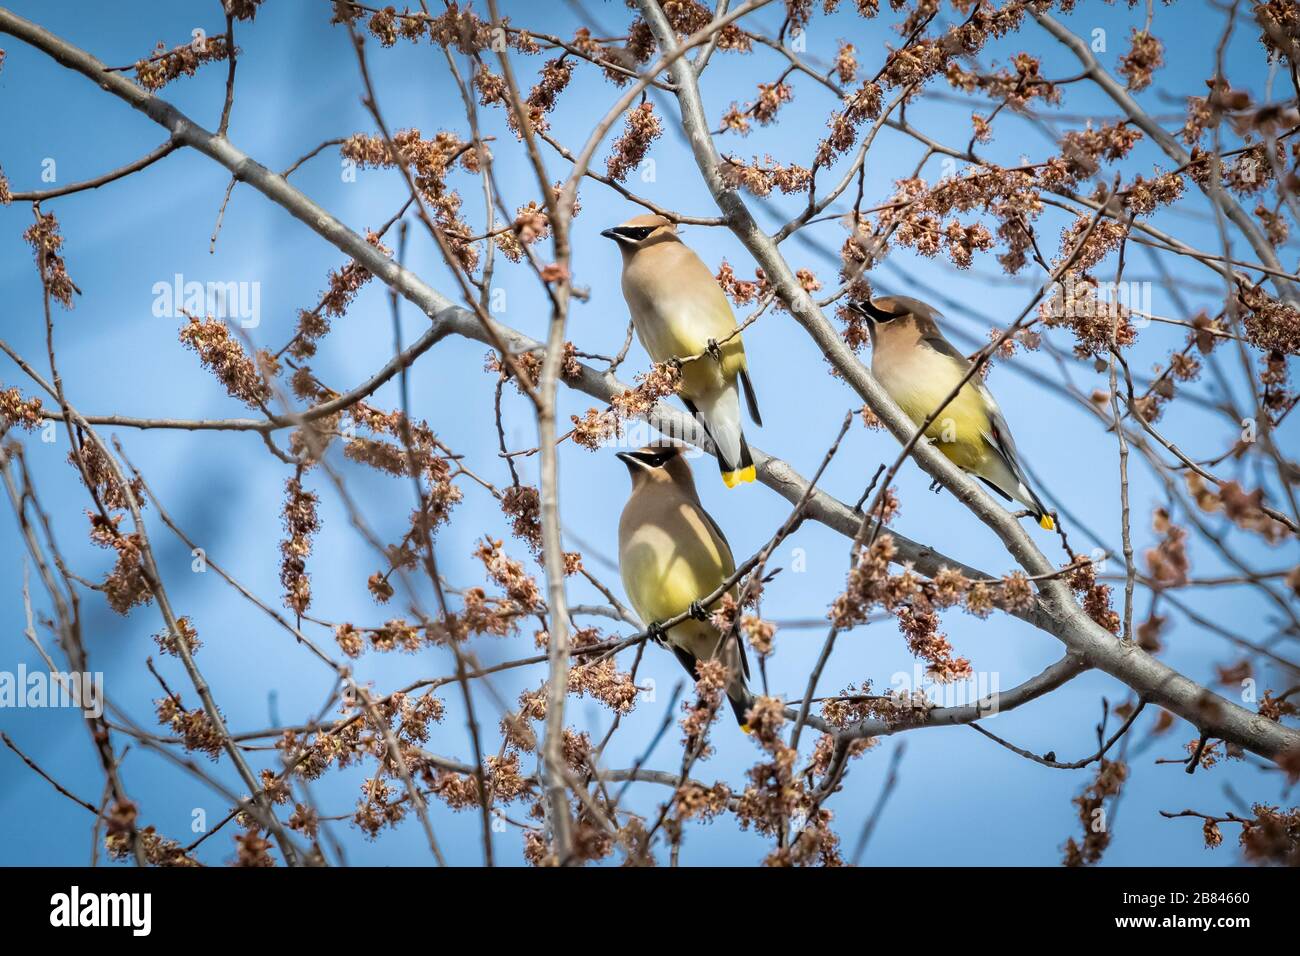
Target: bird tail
740	704
1025	495
743	472
733	656
738	693
1007	479
719	413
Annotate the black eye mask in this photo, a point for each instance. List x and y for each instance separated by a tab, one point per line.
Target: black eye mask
635	233
654	459
875	314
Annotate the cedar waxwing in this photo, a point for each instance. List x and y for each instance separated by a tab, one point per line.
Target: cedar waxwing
679	310
671	555
919	368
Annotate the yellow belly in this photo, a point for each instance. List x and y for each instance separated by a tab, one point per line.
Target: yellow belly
959	429
663	577
671	558
677	320
706	376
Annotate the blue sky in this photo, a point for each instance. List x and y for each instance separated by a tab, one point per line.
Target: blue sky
960	798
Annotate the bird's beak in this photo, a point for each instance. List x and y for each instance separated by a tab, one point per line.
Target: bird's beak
627	459
610	234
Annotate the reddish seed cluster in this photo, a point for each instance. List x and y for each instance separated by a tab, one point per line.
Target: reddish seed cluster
1074	304
300	524
761	177
195	727
846	63
46	242
531	224
224	357
1094	595
1145	56
1269	323
693	801
778	796
97	472
156	71
763	110
545	94
861	105
597	426
1167	562
19	412
127	585
344	284
530	363
505	571
743	291
429	162
1273	836
923	217
1243	508
158	850
642	128
603	681
169	643
910	598
1110	778
1016	88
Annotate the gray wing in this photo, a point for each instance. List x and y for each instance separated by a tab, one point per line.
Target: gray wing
751	399
726	546
722	538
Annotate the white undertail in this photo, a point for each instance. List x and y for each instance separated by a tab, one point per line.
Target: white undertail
721	414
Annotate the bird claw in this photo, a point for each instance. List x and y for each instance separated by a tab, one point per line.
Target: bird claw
936	486
696	610
714	350
655	631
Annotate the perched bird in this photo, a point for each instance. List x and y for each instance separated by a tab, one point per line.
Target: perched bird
671	555
679	311
919	368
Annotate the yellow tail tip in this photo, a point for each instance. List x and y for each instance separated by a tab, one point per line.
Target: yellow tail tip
1046	523
745	728
744	475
